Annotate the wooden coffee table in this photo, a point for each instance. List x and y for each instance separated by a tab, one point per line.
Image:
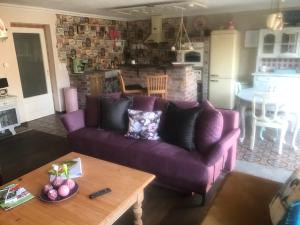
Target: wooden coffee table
127	190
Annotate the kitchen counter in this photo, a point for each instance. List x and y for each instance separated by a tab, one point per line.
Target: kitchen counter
276	74
82	82
182	82
171	65
92	72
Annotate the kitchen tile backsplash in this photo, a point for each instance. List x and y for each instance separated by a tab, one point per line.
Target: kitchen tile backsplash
272	64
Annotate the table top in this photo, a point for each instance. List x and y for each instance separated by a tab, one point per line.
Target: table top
284	98
125	183
246	94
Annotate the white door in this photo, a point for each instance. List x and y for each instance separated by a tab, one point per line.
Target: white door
34	73
221	93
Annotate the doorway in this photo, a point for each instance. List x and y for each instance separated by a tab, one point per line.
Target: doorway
31	52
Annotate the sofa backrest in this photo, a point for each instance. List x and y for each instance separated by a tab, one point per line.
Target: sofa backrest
227	122
231	120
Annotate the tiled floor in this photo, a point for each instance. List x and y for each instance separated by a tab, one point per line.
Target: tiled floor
49	124
265	151
262	161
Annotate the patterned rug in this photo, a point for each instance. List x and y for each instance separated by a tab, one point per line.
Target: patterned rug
265	151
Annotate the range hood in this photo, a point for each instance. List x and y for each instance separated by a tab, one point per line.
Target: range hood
157	34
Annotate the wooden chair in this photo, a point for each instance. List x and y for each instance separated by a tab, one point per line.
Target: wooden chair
157	85
96	84
130	89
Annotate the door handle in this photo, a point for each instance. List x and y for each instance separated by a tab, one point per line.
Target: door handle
214	80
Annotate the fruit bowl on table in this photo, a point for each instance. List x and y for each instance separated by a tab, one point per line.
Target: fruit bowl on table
59	190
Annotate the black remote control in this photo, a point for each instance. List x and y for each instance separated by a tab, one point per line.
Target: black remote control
99	193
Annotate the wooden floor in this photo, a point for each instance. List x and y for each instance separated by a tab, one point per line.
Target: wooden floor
163	206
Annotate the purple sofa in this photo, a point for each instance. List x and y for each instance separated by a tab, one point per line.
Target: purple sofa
174	167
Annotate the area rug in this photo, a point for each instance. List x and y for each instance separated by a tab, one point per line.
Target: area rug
27	151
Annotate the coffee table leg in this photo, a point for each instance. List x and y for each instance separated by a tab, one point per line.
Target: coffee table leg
137	210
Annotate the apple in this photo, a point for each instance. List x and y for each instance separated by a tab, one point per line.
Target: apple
63	190
52	194
47	188
70	183
57	182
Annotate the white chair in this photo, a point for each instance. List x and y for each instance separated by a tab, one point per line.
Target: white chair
265	103
237	89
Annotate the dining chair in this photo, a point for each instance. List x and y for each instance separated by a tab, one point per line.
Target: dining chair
96	84
157	85
130	89
262	104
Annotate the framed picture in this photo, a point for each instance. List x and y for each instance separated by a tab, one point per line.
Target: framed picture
88	42
81	29
71	31
60	31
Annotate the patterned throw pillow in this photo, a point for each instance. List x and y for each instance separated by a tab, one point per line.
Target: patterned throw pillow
143	125
285	206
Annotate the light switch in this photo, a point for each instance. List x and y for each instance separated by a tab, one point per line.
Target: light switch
5	65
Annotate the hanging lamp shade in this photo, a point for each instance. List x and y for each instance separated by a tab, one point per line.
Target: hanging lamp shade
3	31
275	21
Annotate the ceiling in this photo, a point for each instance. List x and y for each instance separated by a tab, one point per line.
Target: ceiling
106	7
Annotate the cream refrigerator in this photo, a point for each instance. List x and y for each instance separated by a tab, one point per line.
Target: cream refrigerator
224	66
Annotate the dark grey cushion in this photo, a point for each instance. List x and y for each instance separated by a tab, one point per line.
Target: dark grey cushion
179	126
114	114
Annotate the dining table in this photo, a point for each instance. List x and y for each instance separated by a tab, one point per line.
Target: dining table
292	107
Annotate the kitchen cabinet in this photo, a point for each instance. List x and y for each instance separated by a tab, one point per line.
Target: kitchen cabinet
268	46
289	43
279	44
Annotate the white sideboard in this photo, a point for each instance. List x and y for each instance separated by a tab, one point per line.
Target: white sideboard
281	82
9	114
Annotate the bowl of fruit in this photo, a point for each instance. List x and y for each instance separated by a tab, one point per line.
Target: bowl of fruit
59	188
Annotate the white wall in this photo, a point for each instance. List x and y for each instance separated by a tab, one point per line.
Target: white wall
7	54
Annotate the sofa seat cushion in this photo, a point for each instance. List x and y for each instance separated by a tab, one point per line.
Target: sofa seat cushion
169	163
101	144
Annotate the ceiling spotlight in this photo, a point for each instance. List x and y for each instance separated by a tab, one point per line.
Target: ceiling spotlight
125	13
179	7
191	5
200	4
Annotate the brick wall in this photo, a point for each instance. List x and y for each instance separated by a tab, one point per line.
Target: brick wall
82	83
182	85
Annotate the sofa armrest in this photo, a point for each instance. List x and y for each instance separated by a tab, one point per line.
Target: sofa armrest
73	121
227	144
